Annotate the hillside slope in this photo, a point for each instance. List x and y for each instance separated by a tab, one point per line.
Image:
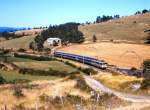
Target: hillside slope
22	42
130	28
25	37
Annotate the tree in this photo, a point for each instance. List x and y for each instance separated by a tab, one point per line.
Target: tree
66	32
145	11
98	19
94	38
148	38
116	16
2	80
146	73
137	13
146	69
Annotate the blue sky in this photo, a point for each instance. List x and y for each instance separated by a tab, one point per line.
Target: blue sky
30	13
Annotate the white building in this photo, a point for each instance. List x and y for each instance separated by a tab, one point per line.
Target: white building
53	41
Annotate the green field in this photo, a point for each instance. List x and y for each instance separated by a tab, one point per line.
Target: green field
15	59
37	65
45	65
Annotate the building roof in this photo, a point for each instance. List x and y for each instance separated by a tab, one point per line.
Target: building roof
50	40
53	39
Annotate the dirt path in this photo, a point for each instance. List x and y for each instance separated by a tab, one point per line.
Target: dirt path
135	106
100	87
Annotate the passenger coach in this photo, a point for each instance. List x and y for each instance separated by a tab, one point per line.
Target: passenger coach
83	59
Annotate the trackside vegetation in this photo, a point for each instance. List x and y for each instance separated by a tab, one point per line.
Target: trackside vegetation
146	73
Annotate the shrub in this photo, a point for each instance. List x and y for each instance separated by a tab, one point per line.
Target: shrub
134	22
74	99
18	92
148	39
111	40
21	50
145	84
4	51
133	69
146	69
2	80
88	71
74	75
47	49
44	98
81	84
70	64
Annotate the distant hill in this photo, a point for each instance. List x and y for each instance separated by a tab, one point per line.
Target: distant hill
10	29
130	28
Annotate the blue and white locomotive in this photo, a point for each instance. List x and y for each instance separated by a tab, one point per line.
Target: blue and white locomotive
83	59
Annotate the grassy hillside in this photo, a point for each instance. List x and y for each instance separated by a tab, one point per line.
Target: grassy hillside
129	28
19	39
22	42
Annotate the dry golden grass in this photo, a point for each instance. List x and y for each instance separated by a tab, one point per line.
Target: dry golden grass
29	32
22	42
52	88
123	29
116	81
120	54
59	87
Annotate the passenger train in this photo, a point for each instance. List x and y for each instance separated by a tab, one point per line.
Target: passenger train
83	59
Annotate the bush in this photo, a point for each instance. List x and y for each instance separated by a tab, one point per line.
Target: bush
21	50
44	98
2	80
4	51
133	69
146	69
75	99
148	39
81	84
145	84
88	71
47	49
18	92
74	75
70	64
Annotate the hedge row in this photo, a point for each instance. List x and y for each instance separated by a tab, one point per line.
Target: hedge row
87	71
32	57
50	72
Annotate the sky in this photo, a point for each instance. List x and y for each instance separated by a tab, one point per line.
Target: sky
33	13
